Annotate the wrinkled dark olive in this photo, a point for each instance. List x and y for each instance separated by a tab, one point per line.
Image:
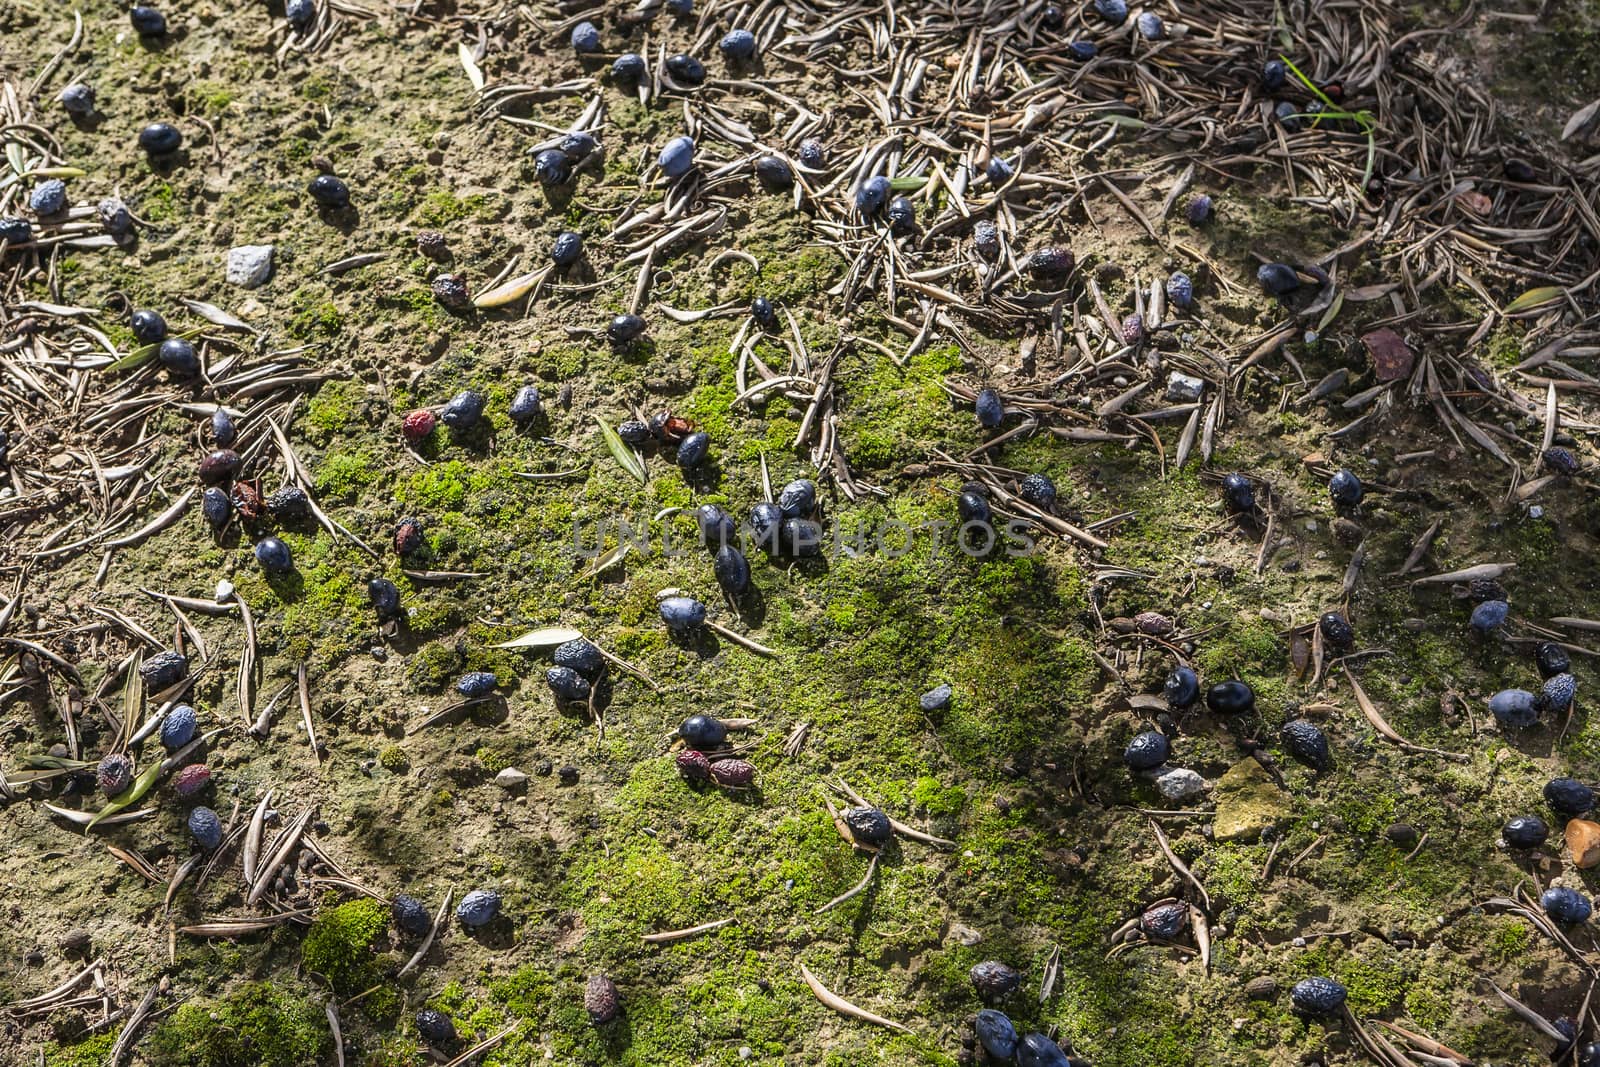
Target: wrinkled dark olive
716	526
798	499
216	508
1345	488
1336	630
633	431
49	198
568	685
998	171
585	37
329	192
868	826
774	173
994	980
1180	290
1558	692
289	504
385	597
990	411
552	167
1050	262
1520	170
1489	616
436	1027
475	684
1150	26
1238	493
800	537
732	571
177	355
1306	742
1525	831
872	195
1199	210
811	153
1146	751
577	145
567	248
693	449
464	411
526	405
14	231
582	656
160	139
411	916
1274	74
1182	687
1052	17
1037	1050
1552	659
686	69
148	327
973	508
625	328
1568	796
1565	906
300	14
629	67
703	732
1317	996
77	99
1277	278
223	431
902	215
1083	51
1165	921
996	1034
1560	461
986	238
738	44
764	313
765	520
1038	490
1231	698
147	21
1113	11
163	670
1516	708
682	614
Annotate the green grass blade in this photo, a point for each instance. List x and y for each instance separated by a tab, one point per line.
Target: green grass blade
137	358
136	792
619	448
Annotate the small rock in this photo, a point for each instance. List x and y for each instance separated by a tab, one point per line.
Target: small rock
249	265
1181	387
1401	835
1248	802
511	778
1262	988
1391	357
965	935
1583	841
1181	785
569	775
76	943
937	699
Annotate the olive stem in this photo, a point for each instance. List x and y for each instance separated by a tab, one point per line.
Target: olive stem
694	931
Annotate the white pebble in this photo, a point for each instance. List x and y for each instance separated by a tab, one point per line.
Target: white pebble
249	266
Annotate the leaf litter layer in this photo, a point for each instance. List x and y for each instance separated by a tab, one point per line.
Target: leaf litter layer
739	919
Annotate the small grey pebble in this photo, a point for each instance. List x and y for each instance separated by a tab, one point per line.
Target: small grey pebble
936	699
1263	988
